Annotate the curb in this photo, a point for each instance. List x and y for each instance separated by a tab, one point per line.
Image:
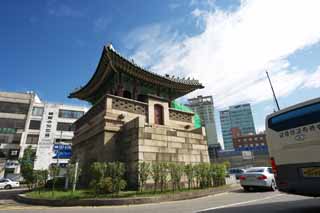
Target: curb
22	198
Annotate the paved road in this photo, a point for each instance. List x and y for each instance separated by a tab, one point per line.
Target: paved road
237	201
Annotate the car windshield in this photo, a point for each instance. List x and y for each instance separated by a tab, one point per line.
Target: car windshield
255	170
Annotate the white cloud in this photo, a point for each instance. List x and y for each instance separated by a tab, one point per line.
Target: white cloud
313	80
235	48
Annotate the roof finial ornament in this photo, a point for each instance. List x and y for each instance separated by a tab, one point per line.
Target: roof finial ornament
110	47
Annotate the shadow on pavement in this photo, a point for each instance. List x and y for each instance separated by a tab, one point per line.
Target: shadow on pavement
311	205
10	194
252	191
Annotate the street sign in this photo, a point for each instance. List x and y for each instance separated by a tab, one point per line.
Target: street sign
63	150
247	155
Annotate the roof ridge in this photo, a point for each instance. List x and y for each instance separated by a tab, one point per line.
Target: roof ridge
188	81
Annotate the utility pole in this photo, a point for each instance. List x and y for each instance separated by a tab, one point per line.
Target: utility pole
74	183
274	95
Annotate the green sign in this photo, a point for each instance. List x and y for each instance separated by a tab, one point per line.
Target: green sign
7	130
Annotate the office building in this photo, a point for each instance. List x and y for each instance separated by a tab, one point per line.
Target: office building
27	121
14	111
203	106
238	116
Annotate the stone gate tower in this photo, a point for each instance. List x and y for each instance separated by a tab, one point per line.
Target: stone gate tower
131	120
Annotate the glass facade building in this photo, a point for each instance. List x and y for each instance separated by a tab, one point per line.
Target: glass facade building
203	106
238	116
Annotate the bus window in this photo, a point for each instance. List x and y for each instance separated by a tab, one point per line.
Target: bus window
295	118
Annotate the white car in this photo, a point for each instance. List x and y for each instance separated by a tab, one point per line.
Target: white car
8	184
258	177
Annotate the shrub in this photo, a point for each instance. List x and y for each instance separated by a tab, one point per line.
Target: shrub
155	174
176	172
189	171
116	170
144	172
40	177
107	177
163	175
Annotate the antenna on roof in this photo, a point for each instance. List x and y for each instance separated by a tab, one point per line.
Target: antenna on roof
274	95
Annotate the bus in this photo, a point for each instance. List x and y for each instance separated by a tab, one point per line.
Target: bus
293	138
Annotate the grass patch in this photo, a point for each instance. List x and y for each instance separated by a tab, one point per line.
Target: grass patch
85	193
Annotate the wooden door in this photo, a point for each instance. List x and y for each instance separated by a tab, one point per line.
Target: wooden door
158	114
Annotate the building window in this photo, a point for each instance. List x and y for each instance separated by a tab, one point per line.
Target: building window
251	145
245	140
4	138
16	139
35	124
257	144
37	111
58	140
255	138
12	123
239	140
158	114
250	139
64	127
261	138
32	139
50	113
47	135
16	108
70	114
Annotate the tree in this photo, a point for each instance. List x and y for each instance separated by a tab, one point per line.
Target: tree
176	172
98	171
26	166
155	174
189	171
116	170
163	175
40	178
54	171
144	172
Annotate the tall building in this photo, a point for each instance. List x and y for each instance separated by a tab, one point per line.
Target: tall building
238	116
26	121
203	106
14	111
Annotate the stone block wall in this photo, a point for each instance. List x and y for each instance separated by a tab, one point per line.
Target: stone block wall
172	145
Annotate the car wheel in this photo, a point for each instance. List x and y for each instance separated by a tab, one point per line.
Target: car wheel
273	186
246	188
7	187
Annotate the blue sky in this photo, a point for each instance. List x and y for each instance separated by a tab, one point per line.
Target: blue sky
52	47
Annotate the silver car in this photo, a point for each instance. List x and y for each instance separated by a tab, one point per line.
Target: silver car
258	177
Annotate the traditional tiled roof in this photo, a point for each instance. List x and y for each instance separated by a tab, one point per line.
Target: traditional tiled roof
112	59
